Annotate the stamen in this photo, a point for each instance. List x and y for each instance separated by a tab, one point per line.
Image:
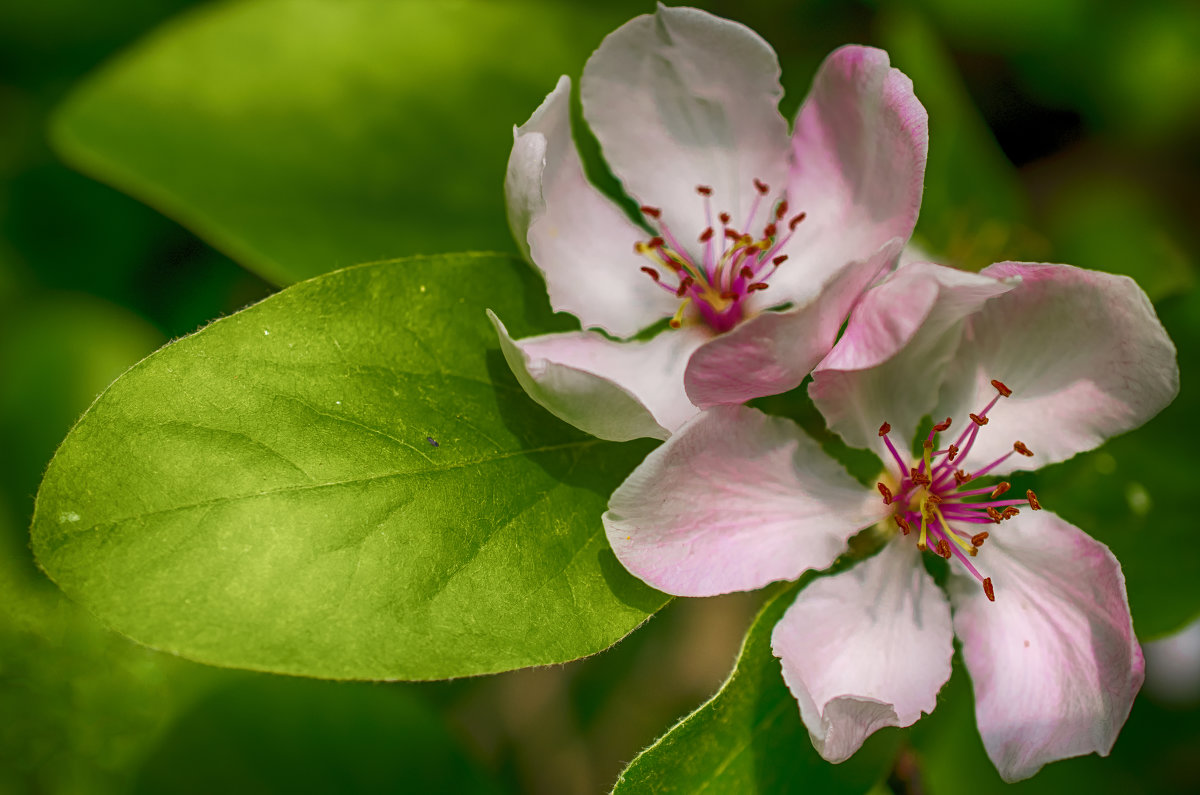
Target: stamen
677	320
782	258
1009	512
1001	487
942	426
961	477
903	524
978	420
746	272
979	538
1001	388
1022	449
687	282
653	212
781	210
951	452
724	218
996	516
653	274
706	235
919	478
884	429
1033	500
988	590
761	186
943	548
757	286
796	219
886	492
704	190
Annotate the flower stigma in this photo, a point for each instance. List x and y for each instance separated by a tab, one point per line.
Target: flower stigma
734	263
929	498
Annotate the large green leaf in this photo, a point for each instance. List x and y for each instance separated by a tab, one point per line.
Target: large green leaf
300	136
748	738
345	481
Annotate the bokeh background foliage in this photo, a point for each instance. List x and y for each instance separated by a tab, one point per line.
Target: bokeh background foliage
268	141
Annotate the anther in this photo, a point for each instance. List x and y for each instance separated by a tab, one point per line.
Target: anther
655	242
746	272
730	296
996	516
943	548
706	235
704	190
1009	512
1001	388
919	478
762	187
687	282
796	219
927	444
769	230
724	218
1022	449
980	421
961	477
1001	487
757	286
886	492
653	274
934	499
951	452
903	524
1033	500
884	429
732	234
988	590
978	539
942	426
653	212
782	258
781	210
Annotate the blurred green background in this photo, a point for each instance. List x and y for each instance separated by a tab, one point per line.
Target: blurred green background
290	137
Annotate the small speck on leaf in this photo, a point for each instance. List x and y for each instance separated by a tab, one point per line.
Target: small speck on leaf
432	441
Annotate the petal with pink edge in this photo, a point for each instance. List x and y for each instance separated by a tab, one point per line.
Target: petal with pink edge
613	390
890	363
858	165
580	241
773	352
681	98
1082	351
1054	661
866	648
734	500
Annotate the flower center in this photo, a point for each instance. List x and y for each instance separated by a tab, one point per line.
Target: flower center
933	497
733	263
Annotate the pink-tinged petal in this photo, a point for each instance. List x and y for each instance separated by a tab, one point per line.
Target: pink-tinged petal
1054	660
614	390
858	164
890	363
866	648
1082	351
773	352
682	98
734	500
580	241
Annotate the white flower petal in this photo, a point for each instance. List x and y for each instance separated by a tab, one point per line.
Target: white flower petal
867	648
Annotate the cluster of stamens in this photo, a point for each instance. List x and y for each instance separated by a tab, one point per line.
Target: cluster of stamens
734	263
932	496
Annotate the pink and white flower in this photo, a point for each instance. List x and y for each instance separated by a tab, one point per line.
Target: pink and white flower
754	242
1033	363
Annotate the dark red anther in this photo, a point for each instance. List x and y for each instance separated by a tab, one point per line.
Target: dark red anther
730	296
996	517
796	219
903	524
746	272
769	230
980	421
724	217
1033	500
656	242
886	492
706	235
942	426
978	539
687	282
756	287
884	429
653	274
934	499
781	210
782	258
988	590
733	234
1001	388
1009	512
673	265
961	477
951	452
943	548
653	212
761	186
1022	449
1001	487
919	478
704	190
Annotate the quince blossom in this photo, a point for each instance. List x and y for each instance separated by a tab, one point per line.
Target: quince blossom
754	243
1033	363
